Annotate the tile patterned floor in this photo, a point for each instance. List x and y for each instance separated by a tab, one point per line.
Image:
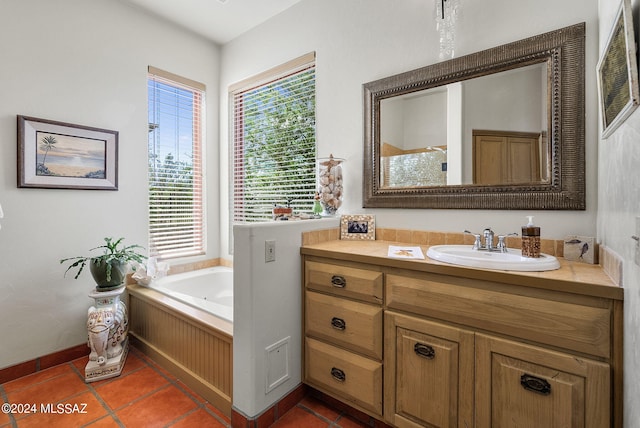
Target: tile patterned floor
143	396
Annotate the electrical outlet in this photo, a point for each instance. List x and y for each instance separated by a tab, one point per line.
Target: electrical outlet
269	251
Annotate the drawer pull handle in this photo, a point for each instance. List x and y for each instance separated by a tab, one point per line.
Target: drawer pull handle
338	281
338	323
424	351
535	384
338	374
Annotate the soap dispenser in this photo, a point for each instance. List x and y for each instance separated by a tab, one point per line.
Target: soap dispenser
530	239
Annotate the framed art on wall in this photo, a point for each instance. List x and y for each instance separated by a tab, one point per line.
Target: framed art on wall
65	156
618	72
358	227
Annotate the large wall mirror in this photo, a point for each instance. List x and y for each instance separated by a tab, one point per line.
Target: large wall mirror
497	129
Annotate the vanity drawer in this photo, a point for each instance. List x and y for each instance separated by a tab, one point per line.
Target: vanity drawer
576	326
353	325
355	379
344	281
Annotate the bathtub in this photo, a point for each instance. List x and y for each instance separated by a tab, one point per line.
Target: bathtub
210	289
184	322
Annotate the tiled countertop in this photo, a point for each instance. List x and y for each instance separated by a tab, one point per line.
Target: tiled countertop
572	277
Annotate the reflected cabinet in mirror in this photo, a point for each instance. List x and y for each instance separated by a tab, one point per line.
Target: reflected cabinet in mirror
497	129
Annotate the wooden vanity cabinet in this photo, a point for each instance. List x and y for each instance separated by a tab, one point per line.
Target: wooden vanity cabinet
529	387
429	370
426	349
343	333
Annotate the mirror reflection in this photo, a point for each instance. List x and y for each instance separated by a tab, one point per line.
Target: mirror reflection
501	128
489	130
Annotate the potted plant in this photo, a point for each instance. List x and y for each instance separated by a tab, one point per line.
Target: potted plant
109	268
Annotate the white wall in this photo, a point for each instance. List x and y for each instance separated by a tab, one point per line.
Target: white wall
358	41
267	309
82	62
618	208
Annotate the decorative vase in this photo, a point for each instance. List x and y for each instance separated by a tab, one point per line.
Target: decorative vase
98	269
330	188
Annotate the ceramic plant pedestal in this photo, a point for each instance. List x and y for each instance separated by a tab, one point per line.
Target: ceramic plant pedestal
107	327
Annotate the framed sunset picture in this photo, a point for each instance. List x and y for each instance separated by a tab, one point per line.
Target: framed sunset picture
62	155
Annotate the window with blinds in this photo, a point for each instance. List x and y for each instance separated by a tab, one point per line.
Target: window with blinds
274	141
176	217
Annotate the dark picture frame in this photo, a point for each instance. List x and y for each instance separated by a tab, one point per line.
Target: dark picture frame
358	227
618	72
59	155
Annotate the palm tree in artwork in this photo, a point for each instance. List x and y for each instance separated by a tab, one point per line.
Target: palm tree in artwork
47	144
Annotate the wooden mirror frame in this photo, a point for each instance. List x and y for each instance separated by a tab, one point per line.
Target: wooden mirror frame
563	50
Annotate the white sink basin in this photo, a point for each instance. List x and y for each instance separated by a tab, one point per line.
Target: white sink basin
512	260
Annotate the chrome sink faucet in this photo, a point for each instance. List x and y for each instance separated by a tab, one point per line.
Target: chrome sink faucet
488	236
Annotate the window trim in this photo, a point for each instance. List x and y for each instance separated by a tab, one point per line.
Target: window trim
198	151
278	72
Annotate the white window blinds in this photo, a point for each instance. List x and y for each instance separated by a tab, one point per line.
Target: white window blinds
176	225
274	141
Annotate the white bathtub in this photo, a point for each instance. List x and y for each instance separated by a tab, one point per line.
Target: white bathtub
209	289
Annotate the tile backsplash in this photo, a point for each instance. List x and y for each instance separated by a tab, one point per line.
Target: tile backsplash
424	237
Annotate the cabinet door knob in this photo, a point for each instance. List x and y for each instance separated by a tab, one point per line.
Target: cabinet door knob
424	351
338	374
535	384
338	323
338	281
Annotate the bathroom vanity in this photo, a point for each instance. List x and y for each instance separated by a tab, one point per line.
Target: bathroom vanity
424	343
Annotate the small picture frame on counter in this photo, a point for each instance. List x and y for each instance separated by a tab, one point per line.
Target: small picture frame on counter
358	227
580	249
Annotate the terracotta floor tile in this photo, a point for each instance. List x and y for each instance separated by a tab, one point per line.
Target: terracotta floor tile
125	389
106	422
348	422
191	392
132	363
51	390
298	417
73	414
81	363
200	418
4	418
158	409
37	377
219	413
320	408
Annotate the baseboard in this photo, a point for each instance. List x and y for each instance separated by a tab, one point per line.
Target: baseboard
272	414
26	368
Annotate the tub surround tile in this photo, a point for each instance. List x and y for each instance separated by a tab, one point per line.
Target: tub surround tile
203	264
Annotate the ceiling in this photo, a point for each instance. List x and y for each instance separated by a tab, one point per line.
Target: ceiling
217	20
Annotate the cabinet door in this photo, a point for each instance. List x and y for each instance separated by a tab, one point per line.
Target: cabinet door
524	386
428	373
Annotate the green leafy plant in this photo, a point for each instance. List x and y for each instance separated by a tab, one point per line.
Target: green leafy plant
114	254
